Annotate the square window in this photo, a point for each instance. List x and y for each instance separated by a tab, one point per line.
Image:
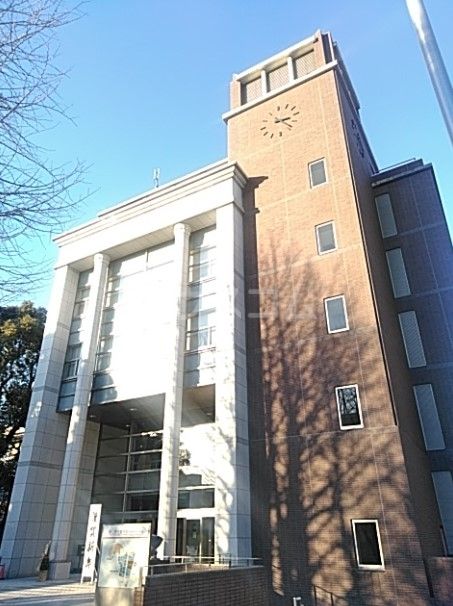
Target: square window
367	542
349	409
336	316
70	369
325	238
68	388
317	172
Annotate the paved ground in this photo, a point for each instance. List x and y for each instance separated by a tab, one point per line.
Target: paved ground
31	592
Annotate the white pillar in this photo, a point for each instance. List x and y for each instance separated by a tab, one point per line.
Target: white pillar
232	490
168	495
34	498
60	564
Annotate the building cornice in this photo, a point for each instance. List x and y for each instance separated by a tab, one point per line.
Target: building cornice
376	182
275	58
292	84
153	199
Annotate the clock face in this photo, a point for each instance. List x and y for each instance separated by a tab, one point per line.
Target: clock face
282	120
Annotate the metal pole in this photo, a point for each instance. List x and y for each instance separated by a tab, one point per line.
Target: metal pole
433	59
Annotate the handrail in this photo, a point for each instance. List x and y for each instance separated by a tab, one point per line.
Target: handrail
188	563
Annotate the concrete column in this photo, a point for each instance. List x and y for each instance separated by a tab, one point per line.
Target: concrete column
60	564
33	501
168	496
232	490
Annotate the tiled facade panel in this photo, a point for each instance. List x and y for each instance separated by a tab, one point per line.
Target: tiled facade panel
424	239
427	264
416	202
440	250
84	489
416	461
447	302
319	485
309	478
437	341
231	587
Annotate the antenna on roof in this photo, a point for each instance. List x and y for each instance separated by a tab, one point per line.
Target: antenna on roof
156	177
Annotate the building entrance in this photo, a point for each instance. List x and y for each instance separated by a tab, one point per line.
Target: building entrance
127	474
195	537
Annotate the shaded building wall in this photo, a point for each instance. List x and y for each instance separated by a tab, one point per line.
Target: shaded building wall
310	479
231	587
84	490
423	505
34	496
425	244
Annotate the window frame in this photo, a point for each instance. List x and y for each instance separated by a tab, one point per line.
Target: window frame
387	230
318	243
397	287
310	164
374	521
332	332
430	439
414	358
359	406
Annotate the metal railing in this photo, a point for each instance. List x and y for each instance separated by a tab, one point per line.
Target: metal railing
184	564
324	597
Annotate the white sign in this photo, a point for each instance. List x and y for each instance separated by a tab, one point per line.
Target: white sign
131	531
124	552
91	543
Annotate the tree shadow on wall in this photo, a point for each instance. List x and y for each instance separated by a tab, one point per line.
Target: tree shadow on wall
309	478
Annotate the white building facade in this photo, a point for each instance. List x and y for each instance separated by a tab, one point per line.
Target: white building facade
140	399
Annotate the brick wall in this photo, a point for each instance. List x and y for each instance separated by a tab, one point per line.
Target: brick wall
441	575
224	587
309	477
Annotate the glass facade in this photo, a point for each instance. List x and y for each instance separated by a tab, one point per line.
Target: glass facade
72	357
127	474
201	309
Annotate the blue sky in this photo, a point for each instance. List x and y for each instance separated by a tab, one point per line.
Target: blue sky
148	83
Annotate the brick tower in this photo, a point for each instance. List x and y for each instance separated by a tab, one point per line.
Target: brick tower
343	503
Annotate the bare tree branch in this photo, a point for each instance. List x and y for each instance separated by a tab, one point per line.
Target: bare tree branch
35	194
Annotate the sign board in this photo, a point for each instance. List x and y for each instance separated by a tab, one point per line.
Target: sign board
91	543
124	552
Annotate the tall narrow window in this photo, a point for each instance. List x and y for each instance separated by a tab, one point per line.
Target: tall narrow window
325	238
348	403
73	350
443	485
367	542
412	339
317	171
397	270
336	316
385	215
429	418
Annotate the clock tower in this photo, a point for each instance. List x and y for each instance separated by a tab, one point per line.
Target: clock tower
335	458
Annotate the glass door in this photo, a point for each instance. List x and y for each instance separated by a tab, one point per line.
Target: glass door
195	537
207	538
